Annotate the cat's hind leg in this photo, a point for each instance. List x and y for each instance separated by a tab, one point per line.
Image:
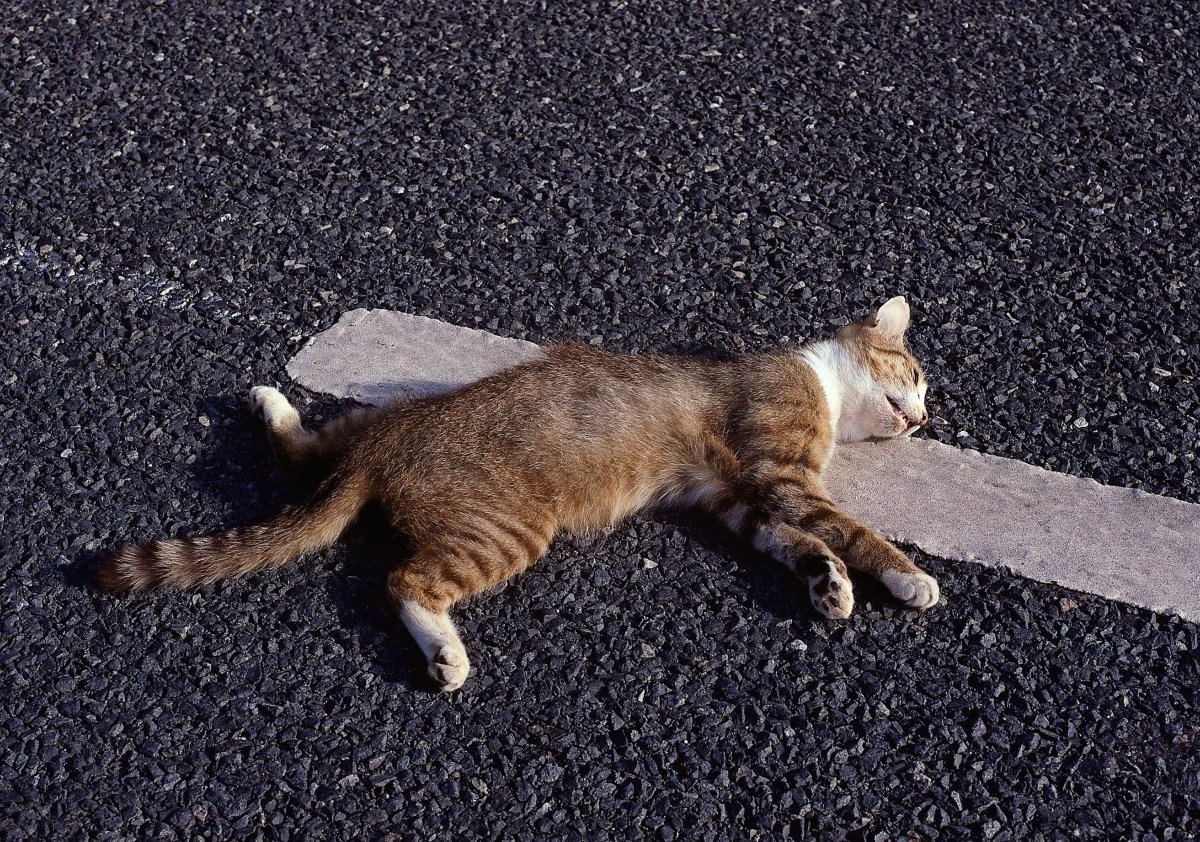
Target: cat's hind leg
301	452
474	554
426	615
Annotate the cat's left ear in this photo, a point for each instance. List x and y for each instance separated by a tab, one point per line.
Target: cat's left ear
892	319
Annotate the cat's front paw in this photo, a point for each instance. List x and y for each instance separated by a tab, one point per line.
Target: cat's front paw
831	593
449	668
916	590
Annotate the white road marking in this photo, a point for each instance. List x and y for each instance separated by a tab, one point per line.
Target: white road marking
375	355
957	504
1121	543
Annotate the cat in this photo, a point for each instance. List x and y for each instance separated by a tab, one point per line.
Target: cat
481	479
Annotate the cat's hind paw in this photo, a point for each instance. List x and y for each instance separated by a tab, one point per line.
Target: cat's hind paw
449	668
269	404
916	590
831	593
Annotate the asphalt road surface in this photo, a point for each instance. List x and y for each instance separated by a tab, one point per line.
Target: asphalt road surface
189	190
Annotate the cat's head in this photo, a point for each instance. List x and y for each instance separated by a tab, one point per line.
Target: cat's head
881	383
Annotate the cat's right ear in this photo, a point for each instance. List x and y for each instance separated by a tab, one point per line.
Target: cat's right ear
892	319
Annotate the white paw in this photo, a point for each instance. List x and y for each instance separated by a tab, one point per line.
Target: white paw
270	404
449	668
831	594
916	590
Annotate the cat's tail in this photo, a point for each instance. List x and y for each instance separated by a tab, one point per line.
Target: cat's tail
181	562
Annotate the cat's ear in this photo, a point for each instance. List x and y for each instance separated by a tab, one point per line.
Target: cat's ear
892	318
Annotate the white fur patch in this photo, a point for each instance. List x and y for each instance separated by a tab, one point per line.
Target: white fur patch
848	388
916	590
735	518
276	410
822	358
430	630
838	603
700	490
438	639
767	541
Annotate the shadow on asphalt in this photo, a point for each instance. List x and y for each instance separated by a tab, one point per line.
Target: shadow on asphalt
233	472
360	597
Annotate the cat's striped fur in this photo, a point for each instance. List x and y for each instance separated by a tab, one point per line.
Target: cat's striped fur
481	479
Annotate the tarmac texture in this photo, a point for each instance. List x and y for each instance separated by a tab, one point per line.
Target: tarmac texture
189	190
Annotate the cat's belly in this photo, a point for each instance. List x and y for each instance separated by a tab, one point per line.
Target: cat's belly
601	503
602	499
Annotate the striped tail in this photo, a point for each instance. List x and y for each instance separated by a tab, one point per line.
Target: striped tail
181	562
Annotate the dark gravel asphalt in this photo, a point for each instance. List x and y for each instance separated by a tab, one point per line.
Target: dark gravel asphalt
189	189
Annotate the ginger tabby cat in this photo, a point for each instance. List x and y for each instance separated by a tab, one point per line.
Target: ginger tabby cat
481	479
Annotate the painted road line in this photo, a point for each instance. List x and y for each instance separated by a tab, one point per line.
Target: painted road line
1121	543
373	356
957	504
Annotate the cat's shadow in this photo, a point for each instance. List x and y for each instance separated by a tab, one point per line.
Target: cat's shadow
231	476
359	596
235	468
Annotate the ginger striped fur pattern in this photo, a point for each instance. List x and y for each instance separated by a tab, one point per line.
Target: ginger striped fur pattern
480	480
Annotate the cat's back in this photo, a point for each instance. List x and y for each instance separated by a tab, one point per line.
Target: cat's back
572	381
577	392
569	408
588	434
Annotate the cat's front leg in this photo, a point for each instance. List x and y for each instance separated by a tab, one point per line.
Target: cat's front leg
865	549
915	588
808	557
805	555
797	498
